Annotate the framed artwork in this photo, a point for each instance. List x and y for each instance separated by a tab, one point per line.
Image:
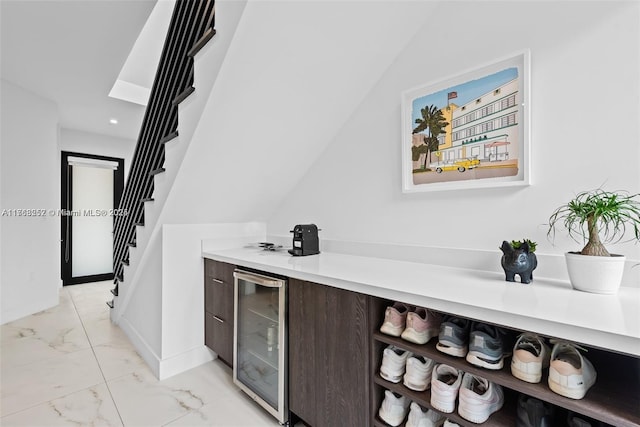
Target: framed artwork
469	131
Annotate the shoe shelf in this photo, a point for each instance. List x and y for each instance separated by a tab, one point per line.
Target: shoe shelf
613	399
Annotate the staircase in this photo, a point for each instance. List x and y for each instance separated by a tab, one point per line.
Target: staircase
191	27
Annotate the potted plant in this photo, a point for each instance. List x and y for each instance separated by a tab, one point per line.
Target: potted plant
597	217
518	258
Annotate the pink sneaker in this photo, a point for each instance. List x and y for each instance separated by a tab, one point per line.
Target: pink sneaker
422	325
394	319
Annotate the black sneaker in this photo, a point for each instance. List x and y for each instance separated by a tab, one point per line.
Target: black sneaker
533	412
578	420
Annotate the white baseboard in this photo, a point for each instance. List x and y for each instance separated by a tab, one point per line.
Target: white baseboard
28	309
143	349
168	367
183	362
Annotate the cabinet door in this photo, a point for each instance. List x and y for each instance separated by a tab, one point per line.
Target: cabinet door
344	359
304	300
328	355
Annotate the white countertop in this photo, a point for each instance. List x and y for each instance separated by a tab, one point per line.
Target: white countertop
548	307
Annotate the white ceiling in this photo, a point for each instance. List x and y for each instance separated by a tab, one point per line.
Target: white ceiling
72	52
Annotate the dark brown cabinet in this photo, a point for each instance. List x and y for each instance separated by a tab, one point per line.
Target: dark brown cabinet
335	350
329	341
218	307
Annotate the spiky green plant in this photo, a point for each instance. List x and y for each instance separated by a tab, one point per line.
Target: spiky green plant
598	217
516	244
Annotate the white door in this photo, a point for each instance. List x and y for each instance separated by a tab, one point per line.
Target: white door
92	239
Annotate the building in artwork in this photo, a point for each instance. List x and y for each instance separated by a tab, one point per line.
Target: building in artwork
485	128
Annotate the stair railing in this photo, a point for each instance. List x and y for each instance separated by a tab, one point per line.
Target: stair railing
191	27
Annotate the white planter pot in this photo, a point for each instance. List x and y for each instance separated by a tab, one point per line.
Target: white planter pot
596	274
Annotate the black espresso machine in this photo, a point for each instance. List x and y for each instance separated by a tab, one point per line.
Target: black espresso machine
305	240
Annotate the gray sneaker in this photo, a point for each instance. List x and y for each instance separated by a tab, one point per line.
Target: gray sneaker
486	348
454	335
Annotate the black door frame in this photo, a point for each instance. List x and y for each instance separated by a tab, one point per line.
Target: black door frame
66	225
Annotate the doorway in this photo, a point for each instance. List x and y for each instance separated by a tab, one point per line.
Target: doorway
91	191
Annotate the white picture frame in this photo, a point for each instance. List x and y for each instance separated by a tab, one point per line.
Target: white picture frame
482	121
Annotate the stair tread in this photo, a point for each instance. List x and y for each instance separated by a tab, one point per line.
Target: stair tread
169	137
110	304
156	171
183	95
208	35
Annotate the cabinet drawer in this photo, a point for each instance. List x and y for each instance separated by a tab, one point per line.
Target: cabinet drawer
218	336
219	270
218	298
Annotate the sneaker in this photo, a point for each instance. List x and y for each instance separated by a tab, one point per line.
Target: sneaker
486	346
420	418
449	423
395	317
454	334
530	357
394	408
394	360
570	374
578	420
445	382
422	325
418	375
479	398
533	412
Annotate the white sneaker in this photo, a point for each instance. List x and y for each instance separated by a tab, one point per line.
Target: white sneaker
445	382
418	375
570	374
394	360
530	357
448	423
394	408
479	398
419	418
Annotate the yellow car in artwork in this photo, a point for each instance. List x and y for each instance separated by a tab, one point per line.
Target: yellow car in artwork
460	165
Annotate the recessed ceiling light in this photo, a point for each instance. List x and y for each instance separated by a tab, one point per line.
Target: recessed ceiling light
113	121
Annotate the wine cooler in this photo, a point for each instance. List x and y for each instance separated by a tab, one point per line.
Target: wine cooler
259	350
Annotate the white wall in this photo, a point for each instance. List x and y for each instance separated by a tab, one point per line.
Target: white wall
102	145
30	263
585	131
291	78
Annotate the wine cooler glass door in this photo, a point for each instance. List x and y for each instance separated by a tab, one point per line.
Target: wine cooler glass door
259	340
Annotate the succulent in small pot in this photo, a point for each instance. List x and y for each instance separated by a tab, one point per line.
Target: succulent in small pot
597	217
518	258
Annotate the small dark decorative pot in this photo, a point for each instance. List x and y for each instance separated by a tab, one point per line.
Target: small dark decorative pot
518	261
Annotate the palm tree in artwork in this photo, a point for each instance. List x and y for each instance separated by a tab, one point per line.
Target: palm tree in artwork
434	123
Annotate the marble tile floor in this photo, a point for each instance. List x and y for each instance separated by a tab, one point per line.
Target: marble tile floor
70	366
